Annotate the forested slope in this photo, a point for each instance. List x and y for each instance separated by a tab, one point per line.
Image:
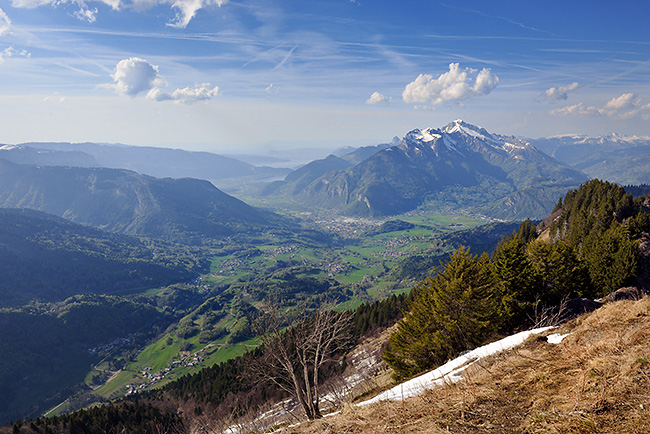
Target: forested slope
46	258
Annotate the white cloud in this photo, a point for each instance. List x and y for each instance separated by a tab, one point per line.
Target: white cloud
187	95
5	23
156	94
625	106
11	52
272	89
575	109
89	15
628	105
559	93
190	95
186	9
455	85
376	98
134	75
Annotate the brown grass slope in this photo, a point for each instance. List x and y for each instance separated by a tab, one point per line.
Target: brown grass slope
597	380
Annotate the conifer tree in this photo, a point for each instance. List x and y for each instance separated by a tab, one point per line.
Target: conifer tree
518	290
450	313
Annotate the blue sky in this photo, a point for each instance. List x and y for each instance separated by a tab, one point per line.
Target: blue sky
234	75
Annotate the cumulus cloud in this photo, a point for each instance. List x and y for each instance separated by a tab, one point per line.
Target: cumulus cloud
377	98
575	109
185	9
628	105
189	95
455	85
559	93
135	76
625	106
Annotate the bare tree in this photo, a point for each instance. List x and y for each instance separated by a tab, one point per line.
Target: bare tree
293	356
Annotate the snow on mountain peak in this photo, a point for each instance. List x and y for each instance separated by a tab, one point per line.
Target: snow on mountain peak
462	127
427	135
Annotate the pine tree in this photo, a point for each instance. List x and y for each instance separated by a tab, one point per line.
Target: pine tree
518	290
450	313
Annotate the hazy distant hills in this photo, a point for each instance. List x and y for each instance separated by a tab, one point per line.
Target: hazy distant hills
616	158
356	156
130	203
459	165
299	179
21	154
158	162
46	258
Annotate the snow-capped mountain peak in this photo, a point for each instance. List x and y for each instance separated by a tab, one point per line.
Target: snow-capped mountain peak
460	137
427	135
461	127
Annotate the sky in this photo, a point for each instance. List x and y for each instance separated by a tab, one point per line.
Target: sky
244	76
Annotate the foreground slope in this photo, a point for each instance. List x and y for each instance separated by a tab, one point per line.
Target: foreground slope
129	203
595	380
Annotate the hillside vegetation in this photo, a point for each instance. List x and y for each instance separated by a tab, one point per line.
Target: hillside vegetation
46	258
593	246
597	380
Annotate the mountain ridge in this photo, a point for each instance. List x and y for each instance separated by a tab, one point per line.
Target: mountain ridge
126	202
458	164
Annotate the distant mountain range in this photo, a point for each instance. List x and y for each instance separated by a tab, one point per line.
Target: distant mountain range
126	202
459	165
621	159
153	161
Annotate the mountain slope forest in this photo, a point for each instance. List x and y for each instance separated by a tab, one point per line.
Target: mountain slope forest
46	258
188	210
594	242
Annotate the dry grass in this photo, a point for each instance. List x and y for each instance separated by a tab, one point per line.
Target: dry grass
596	381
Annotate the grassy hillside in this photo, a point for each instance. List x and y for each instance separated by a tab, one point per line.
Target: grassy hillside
595	381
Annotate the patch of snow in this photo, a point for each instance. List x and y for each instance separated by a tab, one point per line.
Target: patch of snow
556	338
425	135
451	371
513	146
428	136
455	129
450	143
11	147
